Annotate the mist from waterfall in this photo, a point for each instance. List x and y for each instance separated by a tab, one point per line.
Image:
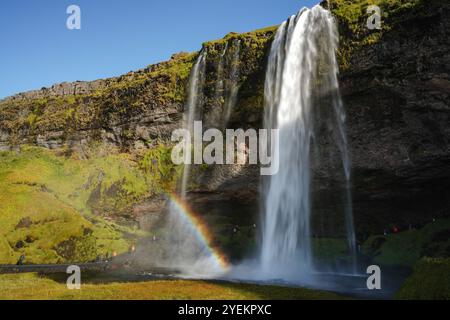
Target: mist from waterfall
182	246
302	63
185	247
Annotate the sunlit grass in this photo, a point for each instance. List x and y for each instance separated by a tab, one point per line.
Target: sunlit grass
430	280
32	286
407	247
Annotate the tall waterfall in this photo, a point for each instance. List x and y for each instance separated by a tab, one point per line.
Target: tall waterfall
220	71
196	83
302	64
227	84
233	84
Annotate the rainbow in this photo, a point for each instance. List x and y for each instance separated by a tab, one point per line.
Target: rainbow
200	229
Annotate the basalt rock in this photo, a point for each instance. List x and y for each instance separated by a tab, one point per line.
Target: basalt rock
396	93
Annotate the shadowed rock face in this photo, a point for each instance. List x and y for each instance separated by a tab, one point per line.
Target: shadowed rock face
396	95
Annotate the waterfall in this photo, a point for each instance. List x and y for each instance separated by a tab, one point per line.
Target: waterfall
195	93
227	84
185	246
220	68
233	83
302	62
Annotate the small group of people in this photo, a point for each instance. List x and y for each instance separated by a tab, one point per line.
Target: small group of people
397	228
394	228
109	257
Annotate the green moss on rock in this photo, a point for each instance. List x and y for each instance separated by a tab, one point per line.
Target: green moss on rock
48	211
161	171
352	17
407	247
430	280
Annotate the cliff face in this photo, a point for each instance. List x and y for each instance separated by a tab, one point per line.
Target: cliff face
139	109
129	111
396	92
395	85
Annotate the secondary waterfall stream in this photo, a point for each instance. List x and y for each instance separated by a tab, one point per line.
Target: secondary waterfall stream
190	246
186	244
233	83
196	83
302	63
227	84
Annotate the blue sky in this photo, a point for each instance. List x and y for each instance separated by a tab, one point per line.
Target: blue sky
116	36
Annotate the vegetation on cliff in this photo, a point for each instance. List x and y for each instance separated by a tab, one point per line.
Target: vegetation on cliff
429	280
58	209
407	247
162	173
115	103
252	59
82	199
119	101
352	17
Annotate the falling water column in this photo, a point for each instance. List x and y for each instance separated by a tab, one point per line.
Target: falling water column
196	82
233	87
292	77
186	246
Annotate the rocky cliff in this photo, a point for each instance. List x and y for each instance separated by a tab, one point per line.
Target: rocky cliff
136	110
396	92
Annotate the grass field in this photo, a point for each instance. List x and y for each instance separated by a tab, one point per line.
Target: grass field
407	247
56	209
34	287
429	280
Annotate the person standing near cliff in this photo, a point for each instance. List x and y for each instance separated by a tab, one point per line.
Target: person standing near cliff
21	260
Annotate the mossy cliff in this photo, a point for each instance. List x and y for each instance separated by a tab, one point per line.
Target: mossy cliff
95	182
135	111
251	65
129	111
110	138
396	92
352	17
430	280
59	209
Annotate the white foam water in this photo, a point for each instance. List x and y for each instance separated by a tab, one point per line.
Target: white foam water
301	43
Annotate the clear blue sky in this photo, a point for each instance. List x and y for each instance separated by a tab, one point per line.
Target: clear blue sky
116	36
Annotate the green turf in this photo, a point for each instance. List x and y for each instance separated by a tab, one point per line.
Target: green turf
429	280
32	286
407	247
55	208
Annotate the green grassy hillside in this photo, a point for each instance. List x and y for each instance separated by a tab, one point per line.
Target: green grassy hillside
407	247
430	280
55	208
